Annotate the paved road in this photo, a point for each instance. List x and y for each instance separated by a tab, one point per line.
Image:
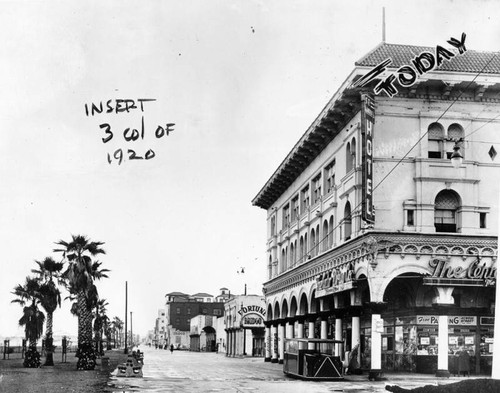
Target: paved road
185	371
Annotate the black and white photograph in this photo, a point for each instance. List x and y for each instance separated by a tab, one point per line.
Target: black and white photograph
249	195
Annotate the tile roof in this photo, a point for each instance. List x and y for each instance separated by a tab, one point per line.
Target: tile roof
471	61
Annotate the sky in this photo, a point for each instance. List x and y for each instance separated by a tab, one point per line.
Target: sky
236	83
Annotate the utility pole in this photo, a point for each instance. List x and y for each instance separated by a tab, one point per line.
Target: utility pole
131	333
126	300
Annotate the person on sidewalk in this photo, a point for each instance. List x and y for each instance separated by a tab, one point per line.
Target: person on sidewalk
463	362
171	348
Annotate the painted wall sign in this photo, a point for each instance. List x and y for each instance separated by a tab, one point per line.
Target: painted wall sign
408	74
453	320
442	269
252	308
337	280
252	320
367	122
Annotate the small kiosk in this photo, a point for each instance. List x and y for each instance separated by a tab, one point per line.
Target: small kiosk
313	359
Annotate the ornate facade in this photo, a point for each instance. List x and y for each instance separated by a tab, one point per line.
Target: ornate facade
374	238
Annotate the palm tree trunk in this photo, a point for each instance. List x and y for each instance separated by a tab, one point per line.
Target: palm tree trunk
49	360
86	353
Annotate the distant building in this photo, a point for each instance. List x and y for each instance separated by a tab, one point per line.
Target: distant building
160	330
202	333
180	308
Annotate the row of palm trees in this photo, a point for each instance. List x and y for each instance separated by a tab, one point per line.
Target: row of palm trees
77	273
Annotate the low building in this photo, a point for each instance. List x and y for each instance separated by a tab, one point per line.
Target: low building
202	334
244	317
180	308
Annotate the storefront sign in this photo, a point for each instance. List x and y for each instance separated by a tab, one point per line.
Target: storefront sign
367	122
252	316
252	320
487	321
475	272
337	280
453	320
253	308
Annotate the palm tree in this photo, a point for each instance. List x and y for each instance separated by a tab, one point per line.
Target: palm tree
50	298
100	323
117	327
32	319
79	278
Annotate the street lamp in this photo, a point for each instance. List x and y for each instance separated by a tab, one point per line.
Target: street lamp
456	161
456	156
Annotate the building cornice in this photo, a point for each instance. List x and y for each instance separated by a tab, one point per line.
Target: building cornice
385	243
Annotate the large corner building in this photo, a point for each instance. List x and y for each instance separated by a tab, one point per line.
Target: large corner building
374	237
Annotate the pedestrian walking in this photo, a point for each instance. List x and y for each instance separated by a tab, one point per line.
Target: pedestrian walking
171	348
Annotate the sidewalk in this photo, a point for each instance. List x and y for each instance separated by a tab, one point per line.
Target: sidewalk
62	377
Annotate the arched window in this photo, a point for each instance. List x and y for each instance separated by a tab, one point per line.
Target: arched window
455	134
283	261
292	255
353	152
435	138
445	211
313	242
306	248
348	158
330	234
301	249
324	240
347	221
270	267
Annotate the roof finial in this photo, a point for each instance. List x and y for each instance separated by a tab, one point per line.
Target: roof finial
383	24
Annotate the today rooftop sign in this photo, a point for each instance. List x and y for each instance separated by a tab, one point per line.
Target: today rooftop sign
408	74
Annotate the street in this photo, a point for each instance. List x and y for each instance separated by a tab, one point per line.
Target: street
183	371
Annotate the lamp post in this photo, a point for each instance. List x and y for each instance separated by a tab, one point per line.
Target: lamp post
456	160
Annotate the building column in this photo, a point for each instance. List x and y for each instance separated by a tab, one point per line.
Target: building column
281	342
227	343
289	330
356	337
310	334
338	336
444	299
324	328
274	341
300	332
376	346
267	345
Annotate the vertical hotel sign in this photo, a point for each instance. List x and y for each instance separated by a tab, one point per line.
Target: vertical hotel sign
367	122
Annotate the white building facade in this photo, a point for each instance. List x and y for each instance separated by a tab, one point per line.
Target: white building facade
374	238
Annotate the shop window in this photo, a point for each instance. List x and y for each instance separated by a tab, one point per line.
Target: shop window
435	139
482	220
445	211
